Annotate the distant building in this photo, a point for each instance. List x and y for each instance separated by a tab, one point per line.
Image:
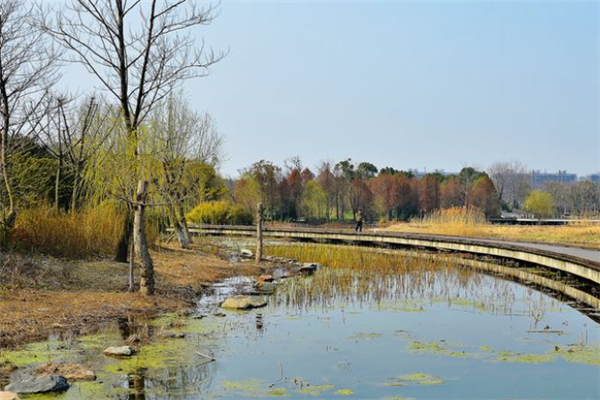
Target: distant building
540	179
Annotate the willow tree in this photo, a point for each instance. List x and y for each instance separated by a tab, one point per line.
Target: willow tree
184	143
28	70
138	52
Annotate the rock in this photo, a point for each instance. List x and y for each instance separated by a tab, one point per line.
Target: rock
8	396
73	372
244	302
172	335
43	384
308	268
122	351
265	278
266	287
246	253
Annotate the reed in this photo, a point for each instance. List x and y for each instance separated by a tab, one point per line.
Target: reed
87	233
391	279
470	223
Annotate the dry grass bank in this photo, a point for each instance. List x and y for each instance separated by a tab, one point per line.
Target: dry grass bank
40	295
458	222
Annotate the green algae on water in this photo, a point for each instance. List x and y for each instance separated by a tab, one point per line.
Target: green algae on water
365	336
512	357
420	378
580	354
251	386
282	392
344	392
315	390
434	348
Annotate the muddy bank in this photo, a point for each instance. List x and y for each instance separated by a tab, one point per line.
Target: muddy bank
42	296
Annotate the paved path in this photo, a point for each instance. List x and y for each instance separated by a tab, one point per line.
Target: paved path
588	254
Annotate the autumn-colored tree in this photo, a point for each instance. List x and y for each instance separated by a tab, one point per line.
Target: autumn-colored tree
386	191
450	193
429	193
485	197
407	201
361	197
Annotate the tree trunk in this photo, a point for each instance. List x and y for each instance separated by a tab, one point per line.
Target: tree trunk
11	216
122	250
178	228
183	222
259	232
142	255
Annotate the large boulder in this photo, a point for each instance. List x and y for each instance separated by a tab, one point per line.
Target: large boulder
244	302
119	351
42	384
8	396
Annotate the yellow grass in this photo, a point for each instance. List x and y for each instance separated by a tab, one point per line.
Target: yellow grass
461	222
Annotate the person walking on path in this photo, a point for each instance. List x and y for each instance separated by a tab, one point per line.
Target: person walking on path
359	220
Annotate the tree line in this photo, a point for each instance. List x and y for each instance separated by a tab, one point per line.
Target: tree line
337	191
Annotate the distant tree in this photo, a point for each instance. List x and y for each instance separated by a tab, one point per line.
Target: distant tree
326	179
361	197
562	194
429	193
386	192
269	177
512	181
314	200
366	170
451	193
247	192
485	198
407	197
540	204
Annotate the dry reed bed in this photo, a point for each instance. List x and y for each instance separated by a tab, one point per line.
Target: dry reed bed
471	223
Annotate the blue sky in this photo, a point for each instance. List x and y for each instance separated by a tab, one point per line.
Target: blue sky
435	85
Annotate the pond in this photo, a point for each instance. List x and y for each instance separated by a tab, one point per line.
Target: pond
415	329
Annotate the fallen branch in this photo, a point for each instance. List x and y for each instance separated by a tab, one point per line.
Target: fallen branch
205	356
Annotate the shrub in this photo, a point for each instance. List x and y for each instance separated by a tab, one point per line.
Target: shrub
220	213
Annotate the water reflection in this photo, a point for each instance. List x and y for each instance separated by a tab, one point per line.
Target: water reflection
416	329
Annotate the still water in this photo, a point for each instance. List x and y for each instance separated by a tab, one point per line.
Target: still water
345	334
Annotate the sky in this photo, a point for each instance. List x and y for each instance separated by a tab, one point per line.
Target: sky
412	85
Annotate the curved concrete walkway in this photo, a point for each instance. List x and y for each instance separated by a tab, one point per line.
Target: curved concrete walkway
581	262
584	253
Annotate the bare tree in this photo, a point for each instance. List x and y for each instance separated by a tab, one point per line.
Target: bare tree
512	181
138	51
28	69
